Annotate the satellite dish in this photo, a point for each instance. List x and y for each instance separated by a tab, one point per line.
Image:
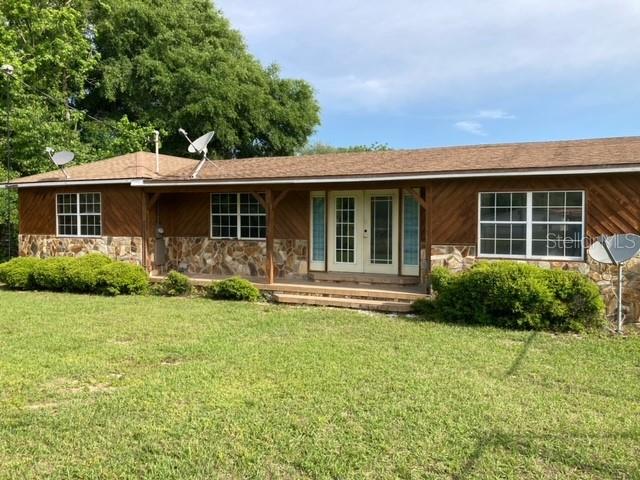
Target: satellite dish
198	146
599	253
616	250
60	159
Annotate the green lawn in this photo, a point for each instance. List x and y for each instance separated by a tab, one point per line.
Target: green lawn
132	387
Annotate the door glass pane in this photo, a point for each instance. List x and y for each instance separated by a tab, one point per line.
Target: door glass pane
410	231
381	230
318	207
345	228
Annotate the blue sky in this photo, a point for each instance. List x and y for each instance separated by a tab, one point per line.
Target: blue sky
429	73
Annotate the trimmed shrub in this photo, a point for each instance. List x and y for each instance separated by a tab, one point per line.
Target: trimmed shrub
176	284
120	278
70	274
93	273
83	272
519	295
53	274
582	305
233	289
424	307
440	278
17	273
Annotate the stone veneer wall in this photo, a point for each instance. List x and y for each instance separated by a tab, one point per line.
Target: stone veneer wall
127	249
461	257
235	257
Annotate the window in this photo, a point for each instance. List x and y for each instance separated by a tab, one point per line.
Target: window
345	229
532	225
503	226
556	224
410	231
79	214
381	242
318	234
237	215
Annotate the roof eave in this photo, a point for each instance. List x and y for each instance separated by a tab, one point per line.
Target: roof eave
396	177
68	183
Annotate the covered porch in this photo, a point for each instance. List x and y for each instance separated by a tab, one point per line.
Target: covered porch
374	234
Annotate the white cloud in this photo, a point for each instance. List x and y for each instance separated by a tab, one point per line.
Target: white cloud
471	126
494	114
383	55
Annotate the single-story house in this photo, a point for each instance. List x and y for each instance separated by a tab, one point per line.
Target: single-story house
372	215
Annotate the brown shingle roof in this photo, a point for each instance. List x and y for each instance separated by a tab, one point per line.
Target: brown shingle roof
129	166
623	151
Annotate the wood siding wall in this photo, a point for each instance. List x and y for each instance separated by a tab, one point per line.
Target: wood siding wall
121	210
613	203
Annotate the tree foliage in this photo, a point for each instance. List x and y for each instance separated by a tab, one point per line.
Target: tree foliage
320	148
179	63
139	65
49	45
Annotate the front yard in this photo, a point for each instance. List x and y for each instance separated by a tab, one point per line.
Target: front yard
131	387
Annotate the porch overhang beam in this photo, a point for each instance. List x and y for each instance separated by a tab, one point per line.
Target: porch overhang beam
261	200
417	197
279	198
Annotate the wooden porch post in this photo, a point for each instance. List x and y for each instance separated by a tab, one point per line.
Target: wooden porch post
151	221
270	233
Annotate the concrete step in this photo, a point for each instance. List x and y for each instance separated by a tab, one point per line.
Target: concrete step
357	303
364	278
318	290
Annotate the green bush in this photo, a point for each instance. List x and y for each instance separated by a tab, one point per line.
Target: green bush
83	272
53	274
582	305
17	273
175	284
93	273
440	278
120	278
233	289
70	274
519	295
424	306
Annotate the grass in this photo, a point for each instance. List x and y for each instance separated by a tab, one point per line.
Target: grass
148	387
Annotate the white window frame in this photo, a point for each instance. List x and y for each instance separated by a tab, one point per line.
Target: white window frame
238	216
78	215
529	227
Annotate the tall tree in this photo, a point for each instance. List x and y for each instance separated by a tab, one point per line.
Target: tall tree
178	63
49	44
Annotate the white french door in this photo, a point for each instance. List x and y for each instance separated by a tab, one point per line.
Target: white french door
344	232
363	231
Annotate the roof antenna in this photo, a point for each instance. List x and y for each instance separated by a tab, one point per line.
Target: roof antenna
60	159
198	146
